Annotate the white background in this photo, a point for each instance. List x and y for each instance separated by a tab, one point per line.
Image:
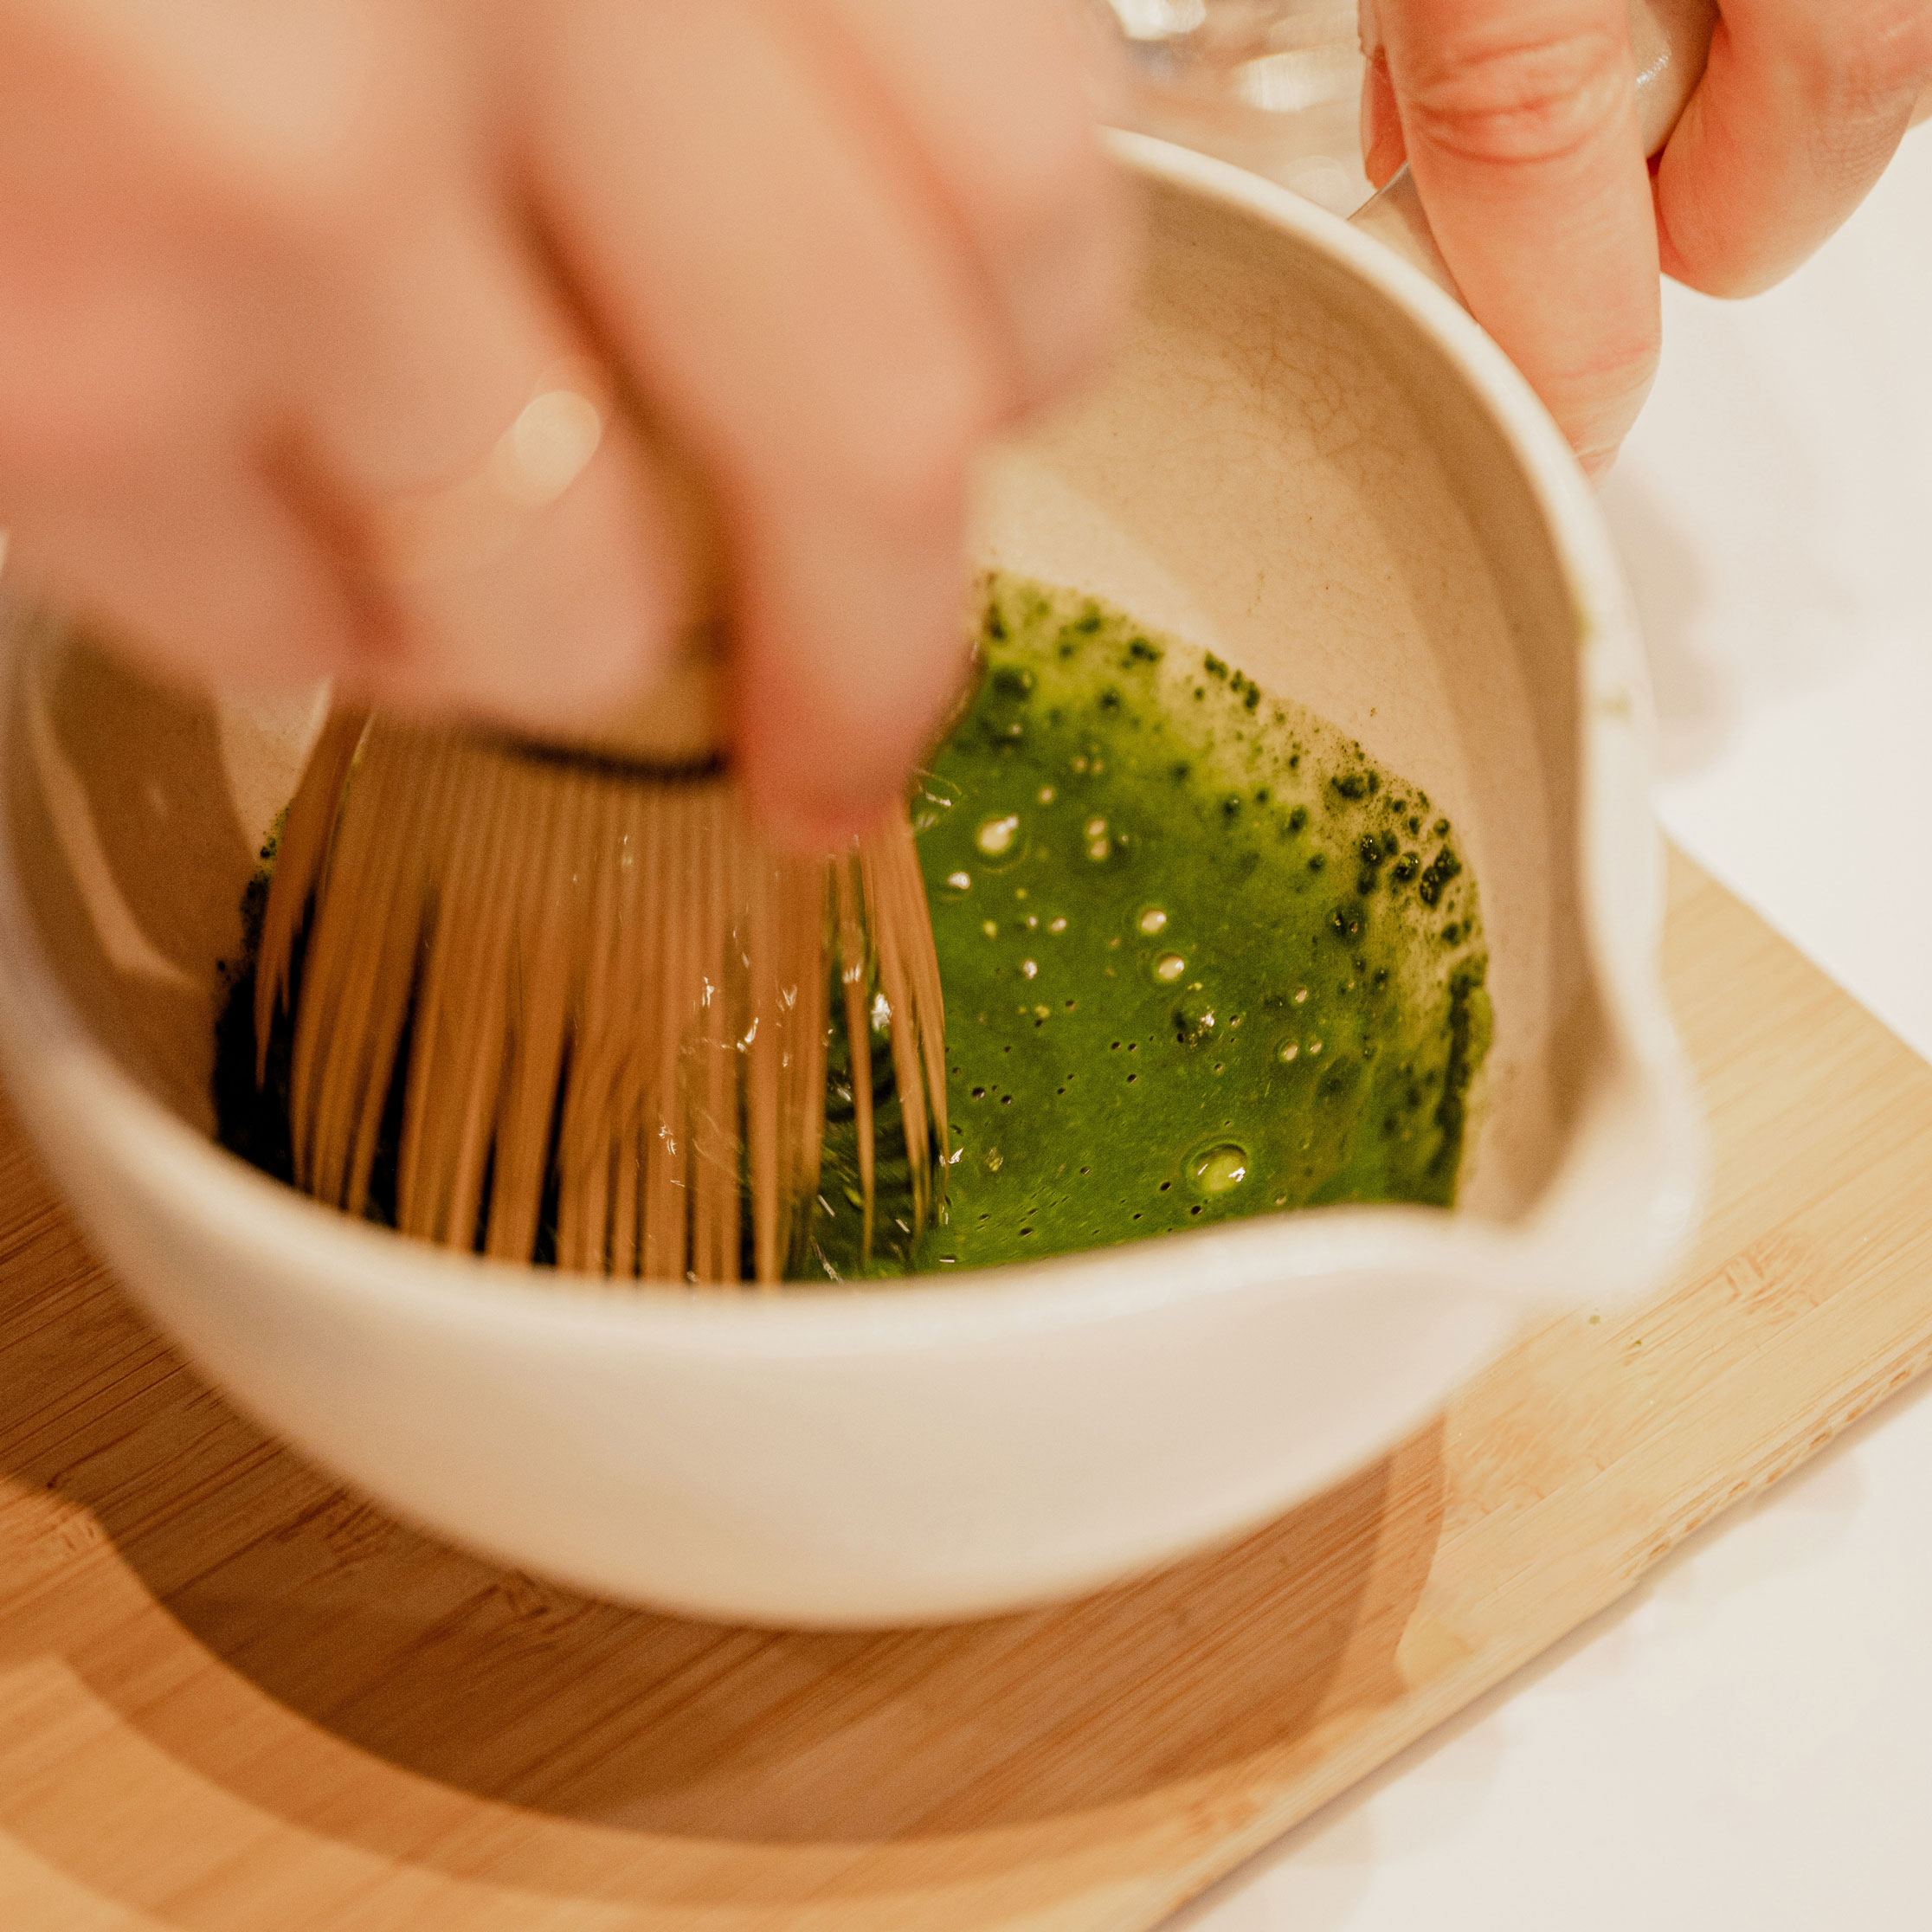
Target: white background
1746	1740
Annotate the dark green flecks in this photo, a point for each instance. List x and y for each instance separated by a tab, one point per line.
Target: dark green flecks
1437	875
1265	1011
1200	961
1194	1018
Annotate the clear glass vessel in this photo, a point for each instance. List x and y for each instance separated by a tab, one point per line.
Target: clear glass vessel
1271	85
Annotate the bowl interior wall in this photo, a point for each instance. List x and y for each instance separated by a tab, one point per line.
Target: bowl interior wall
1281	466
1286	469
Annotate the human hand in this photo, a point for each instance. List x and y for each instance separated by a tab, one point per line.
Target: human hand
267	273
1518	120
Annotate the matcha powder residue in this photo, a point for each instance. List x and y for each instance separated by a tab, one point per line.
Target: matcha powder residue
1202	957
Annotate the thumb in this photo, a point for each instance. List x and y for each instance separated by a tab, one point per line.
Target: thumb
1520	121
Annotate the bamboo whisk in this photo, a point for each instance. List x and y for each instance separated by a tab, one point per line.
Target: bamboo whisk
579	1004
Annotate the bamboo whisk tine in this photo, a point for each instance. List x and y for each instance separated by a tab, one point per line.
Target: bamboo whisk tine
576	1009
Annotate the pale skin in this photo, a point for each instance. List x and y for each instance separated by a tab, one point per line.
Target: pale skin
264	269
1517	118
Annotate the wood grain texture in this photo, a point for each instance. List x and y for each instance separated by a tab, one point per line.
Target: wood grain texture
233	1696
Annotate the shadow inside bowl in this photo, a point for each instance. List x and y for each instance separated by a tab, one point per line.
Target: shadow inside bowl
135	859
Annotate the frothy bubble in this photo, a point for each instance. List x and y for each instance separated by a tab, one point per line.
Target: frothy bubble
1152	921
1219	1169
1169	966
1289	1051
996	837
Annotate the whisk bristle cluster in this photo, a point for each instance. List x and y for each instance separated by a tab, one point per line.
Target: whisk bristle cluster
572	1011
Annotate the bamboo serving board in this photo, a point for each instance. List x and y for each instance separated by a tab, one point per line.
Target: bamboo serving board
234	1697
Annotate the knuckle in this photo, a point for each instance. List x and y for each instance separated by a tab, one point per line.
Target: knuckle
1515	103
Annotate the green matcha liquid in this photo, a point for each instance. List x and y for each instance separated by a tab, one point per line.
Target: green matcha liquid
1201	956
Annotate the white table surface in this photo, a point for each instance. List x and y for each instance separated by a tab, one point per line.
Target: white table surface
1746	1742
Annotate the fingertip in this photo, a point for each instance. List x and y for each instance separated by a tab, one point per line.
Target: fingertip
818	790
821	803
818	827
1798	114
1597	464
1596	413
1384	150
1599	419
1521	126
827	749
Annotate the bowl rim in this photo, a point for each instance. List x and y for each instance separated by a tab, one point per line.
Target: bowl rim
56	1063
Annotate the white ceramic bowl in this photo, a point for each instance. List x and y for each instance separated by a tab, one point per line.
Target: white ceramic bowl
1307	459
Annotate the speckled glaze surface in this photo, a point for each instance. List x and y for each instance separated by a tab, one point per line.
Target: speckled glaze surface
1304	458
